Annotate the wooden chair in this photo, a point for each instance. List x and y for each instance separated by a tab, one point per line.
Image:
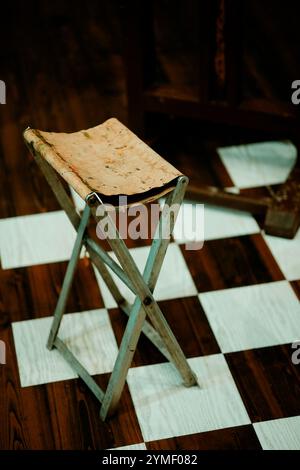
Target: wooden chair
101	164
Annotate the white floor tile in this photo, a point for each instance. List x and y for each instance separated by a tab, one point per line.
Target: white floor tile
189	225
259	164
174	281
223	223
165	408
88	335
253	316
287	254
218	223
199	222
279	434
35	239
141	446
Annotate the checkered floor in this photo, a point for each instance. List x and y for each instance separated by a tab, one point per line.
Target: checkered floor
233	305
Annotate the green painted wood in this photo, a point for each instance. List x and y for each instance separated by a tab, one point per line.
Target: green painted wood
63	296
149	332
78	368
58	189
111	263
145	304
67	205
143	285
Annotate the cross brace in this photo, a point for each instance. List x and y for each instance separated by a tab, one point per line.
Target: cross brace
142	285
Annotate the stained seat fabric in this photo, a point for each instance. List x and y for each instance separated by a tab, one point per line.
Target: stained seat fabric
107	159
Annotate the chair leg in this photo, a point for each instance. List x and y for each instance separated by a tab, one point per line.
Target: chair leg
61	304
145	285
124	359
67	205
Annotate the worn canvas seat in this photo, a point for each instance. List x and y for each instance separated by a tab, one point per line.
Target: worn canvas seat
107	159
102	164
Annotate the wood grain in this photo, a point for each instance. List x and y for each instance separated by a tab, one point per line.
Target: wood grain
187	321
232	262
238	438
32	292
265	378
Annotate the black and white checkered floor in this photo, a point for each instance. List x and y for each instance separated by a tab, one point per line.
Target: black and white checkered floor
233	306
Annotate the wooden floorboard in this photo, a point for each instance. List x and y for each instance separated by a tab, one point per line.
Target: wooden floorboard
265	377
241	437
32	292
232	262
188	322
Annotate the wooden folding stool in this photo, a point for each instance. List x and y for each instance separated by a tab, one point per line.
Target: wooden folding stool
101	164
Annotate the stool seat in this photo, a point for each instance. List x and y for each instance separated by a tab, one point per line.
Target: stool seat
107	159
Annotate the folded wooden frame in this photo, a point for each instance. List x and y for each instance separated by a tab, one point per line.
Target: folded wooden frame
142	285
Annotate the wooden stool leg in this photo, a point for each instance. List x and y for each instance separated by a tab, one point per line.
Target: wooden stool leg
63	296
143	305
142	285
67	205
146	306
124	359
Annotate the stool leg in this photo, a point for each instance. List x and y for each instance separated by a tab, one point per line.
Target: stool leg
63	296
140	309
106	276
67	205
124	359
143	305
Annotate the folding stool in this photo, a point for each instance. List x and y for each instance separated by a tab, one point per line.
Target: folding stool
101	164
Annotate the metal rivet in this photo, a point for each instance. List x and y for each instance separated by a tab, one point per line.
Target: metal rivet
147	301
92	200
